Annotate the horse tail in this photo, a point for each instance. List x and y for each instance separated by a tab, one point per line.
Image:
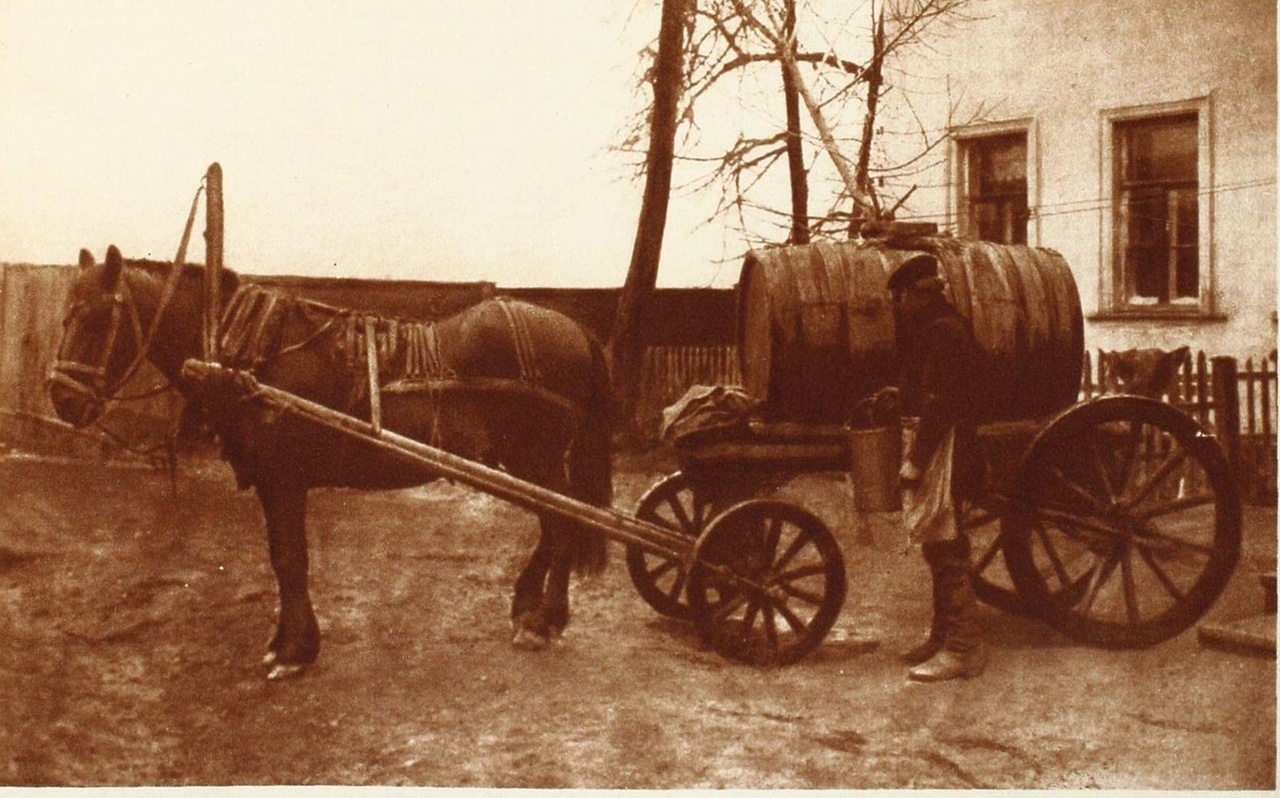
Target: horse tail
590	462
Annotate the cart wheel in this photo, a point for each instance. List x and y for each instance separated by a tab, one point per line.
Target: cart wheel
1128	525
767	582
992	582
670	503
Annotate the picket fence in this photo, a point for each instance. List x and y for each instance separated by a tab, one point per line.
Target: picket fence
1250	435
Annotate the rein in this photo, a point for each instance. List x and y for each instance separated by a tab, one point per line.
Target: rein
97	389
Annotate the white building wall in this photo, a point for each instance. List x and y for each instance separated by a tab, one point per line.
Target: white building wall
1060	64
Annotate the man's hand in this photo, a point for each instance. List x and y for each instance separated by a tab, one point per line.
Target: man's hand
908	475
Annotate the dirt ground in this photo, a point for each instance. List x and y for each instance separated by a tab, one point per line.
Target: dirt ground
134	617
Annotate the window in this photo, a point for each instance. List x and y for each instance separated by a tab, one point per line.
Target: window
1157	187
1157	218
994	207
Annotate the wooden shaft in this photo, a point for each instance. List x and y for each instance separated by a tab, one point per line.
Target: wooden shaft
213	261
611	522
375	391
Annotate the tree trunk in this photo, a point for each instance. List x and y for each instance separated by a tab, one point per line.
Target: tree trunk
795	145
626	343
862	174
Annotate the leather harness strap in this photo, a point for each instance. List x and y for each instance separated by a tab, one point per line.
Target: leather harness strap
525	357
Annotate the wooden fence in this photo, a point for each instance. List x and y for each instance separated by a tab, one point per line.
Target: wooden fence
31	299
31	305
669	371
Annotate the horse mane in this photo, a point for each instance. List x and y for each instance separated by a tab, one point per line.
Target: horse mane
190	271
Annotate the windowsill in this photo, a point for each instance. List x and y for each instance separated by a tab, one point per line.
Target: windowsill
1157	314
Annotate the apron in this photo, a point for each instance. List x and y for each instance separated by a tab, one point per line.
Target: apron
927	510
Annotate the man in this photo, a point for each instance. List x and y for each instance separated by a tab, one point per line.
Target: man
941	466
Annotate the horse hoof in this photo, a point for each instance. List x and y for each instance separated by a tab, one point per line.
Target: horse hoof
280	672
529	640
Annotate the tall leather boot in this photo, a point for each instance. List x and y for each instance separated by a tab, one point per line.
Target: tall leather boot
963	653
932	644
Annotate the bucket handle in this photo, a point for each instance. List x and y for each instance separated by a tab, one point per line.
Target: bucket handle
878	410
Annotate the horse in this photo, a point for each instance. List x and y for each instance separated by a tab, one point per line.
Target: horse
505	383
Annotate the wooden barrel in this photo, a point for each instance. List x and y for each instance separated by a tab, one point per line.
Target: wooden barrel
815	325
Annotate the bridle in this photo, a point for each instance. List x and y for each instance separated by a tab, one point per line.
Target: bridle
91	381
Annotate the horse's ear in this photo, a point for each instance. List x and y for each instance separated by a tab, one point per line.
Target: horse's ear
111	274
86	259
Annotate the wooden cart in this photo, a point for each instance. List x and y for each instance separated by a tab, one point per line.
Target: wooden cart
1114	520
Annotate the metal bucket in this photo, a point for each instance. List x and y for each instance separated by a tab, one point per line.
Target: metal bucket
875	456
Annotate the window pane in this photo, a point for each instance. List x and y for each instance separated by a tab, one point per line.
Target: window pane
1163	151
1157	212
997	188
1186	231
1148	244
1002	165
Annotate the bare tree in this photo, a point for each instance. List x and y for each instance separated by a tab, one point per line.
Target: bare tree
728	39
838	71
626	345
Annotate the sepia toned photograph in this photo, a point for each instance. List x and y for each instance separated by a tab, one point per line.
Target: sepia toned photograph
638	395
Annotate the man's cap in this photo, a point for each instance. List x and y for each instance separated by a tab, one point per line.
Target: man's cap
912	270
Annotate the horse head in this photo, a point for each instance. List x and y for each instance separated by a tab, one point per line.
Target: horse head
1148	372
112	324
93	355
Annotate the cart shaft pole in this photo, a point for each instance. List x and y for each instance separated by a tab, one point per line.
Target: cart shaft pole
530	496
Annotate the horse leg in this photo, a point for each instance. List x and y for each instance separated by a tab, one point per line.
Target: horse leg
555	600
527	597
296	643
541	622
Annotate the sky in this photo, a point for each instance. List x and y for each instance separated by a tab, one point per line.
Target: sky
411	140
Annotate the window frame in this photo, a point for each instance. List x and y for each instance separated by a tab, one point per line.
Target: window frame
962	144
1115	299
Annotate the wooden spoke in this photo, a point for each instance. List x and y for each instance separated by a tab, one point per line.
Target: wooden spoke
1104	472
1129	455
1150	535
662	567
802	571
1177	505
1130	589
772	535
770	626
988	554
1071	524
792	550
1079	491
796	623
802	594
1155	479
1100	574
682	518
1172	588
677	584
1059	569
726	608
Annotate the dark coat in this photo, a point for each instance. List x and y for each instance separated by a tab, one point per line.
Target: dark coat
940	383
